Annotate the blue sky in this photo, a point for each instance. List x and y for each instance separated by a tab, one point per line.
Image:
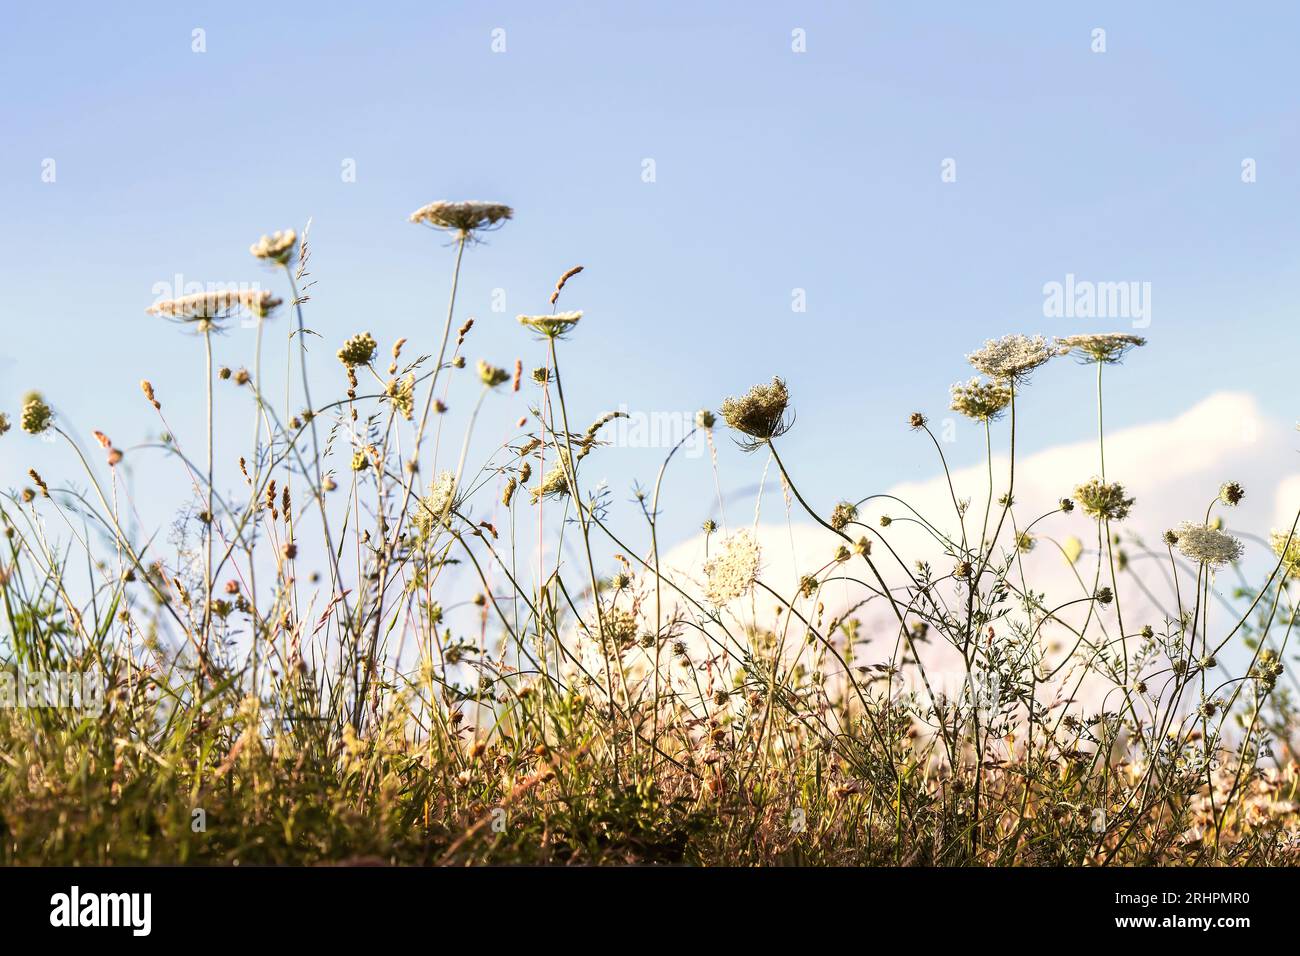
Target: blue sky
774	171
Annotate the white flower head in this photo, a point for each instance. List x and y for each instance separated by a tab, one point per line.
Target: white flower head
1206	545
1013	356
732	573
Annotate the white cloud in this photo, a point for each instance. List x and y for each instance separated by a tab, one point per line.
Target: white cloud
1173	468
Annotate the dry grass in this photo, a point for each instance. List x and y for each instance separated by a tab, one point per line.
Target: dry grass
438	697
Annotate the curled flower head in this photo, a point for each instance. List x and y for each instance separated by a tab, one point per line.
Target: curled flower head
760	413
358	350
732	573
277	247
1206	545
1287	547
1102	500
1231	493
4	423
1106	347
704	418
1012	357
982	401
490	375
844	512
207	308
553	326
462	217
36	415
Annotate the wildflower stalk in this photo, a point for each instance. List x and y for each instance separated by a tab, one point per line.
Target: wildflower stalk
211	518
569	463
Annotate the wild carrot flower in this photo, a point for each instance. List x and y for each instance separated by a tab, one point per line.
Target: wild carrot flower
760	413
4	423
462	217
982	401
1103	500
358	350
1206	545
1106	347
733	572
553	326
490	375
435	507
36	415
1012	357
209	307
277	247
1287	547
704	419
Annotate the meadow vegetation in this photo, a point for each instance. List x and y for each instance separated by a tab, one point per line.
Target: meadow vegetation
360	646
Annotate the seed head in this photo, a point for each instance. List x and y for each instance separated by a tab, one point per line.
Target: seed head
1231	493
555	483
844	512
401	392
1102	500
982	401
490	375
277	247
759	414
36	415
358	350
